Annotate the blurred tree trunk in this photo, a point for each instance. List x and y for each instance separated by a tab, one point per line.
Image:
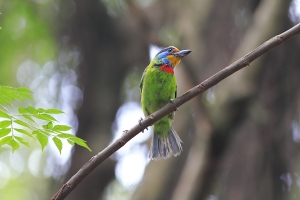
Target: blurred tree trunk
92	32
107	51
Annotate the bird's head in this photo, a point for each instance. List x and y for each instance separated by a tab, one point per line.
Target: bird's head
170	56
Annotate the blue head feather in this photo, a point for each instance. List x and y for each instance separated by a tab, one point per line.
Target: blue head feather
161	56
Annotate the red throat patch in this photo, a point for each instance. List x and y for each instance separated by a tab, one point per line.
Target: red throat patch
167	68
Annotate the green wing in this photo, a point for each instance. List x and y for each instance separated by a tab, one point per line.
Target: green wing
142	80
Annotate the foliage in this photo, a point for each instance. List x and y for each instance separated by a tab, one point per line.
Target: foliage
36	123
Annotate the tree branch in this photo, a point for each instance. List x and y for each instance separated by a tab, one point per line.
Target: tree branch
208	83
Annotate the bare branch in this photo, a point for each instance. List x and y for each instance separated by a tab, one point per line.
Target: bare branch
208	83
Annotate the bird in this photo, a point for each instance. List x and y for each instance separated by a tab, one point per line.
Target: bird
158	87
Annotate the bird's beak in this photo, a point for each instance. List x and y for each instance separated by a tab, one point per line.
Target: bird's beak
182	53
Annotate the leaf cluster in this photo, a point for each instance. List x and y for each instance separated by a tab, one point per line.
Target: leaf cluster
37	123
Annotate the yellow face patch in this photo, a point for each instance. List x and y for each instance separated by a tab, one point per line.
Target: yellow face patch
174	60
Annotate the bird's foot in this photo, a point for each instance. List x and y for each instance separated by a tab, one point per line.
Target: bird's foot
171	101
140	123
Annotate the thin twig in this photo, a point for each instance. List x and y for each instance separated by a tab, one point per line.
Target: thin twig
96	160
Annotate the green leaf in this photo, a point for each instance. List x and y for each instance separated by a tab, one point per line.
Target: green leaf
80	142
36	132
23	110
48	126
24	132
10	93
58	143
5	140
4	131
54	111
4	100
28	117
10	141
70	142
4	114
14	144
41	110
25	93
16	96
43	140
45	117
32	110
24	90
21	140
73	139
5	123
61	128
43	132
22	123
46	132
7	95
6	89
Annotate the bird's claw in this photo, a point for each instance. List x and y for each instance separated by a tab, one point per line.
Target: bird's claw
171	101
140	123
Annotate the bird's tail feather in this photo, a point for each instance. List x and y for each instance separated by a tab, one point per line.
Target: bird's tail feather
165	147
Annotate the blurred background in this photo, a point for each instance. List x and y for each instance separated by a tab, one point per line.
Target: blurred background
240	138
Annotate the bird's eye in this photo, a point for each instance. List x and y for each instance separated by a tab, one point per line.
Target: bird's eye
170	50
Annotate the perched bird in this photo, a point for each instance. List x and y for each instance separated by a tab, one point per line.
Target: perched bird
158	87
